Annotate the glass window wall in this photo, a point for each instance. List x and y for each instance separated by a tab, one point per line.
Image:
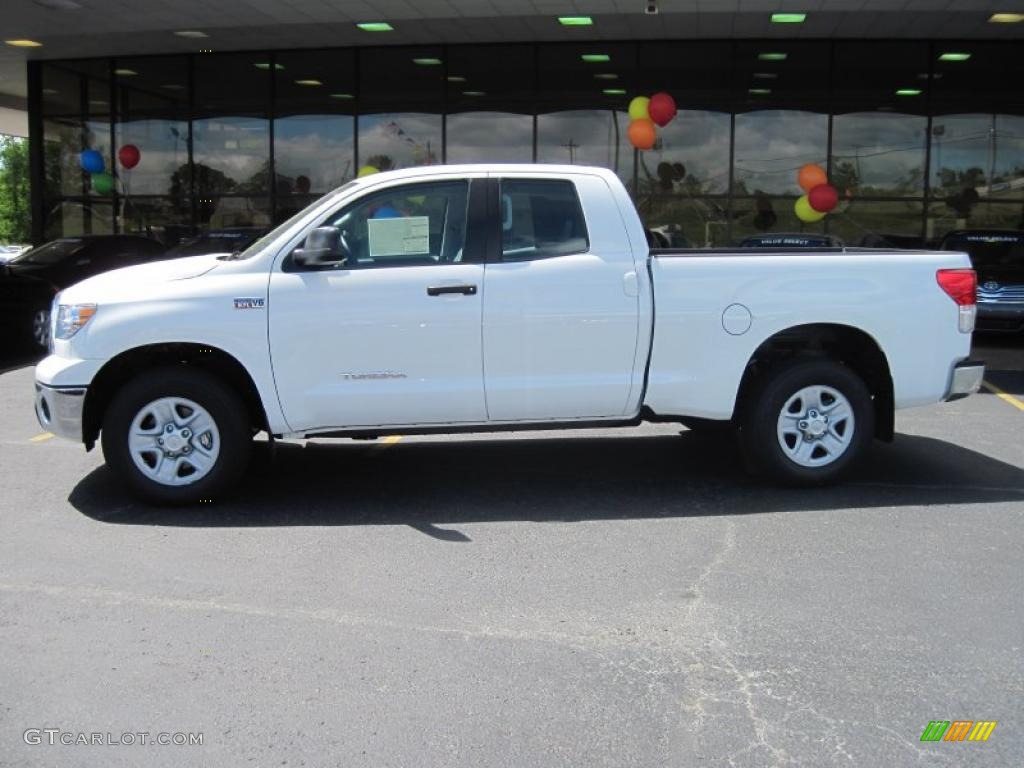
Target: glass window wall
916	144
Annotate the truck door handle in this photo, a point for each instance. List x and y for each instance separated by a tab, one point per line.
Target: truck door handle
440	290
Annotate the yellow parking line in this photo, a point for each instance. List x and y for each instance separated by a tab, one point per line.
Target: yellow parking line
41	438
386	443
1003	395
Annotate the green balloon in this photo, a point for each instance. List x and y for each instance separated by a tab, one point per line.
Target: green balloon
102	183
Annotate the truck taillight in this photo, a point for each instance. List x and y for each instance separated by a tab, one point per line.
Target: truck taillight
961	285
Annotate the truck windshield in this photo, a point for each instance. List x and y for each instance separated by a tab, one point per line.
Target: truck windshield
283	227
53	252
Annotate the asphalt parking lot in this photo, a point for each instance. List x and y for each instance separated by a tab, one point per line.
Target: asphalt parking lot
610	598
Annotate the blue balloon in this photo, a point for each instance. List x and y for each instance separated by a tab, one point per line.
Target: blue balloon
91	161
386	212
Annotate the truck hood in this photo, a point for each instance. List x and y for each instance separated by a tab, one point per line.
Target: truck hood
129	282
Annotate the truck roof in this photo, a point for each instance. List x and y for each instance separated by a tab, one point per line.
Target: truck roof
480	168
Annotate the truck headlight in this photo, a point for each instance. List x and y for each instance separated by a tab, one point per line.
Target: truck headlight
72	317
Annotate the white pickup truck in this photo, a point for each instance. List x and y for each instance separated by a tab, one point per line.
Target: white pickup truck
474	298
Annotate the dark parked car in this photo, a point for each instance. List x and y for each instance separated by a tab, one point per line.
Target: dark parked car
903	242
29	282
998	258
217	241
792	240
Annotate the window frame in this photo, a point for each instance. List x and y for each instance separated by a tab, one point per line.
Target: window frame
498	249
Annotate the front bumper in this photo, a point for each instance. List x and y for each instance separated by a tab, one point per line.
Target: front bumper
60	410
966	379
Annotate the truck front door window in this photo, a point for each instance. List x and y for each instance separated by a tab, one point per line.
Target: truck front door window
414	225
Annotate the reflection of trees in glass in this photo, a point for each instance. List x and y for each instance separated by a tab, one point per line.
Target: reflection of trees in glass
686	222
380	162
952	179
844	177
210	183
258	183
62	145
961	188
155	217
670	176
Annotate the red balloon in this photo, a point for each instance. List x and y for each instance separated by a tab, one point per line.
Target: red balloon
662	109
823	198
129	156
642	134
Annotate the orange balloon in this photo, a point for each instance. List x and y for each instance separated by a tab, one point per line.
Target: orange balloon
642	133
810	176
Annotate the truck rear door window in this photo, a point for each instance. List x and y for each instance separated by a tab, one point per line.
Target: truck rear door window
540	219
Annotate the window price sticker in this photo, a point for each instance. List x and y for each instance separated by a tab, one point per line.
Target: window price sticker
407	236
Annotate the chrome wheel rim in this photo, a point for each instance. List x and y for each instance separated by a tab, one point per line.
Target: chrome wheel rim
174	441
41	327
816	426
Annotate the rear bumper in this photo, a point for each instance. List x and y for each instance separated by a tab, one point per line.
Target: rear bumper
966	379
60	410
997	316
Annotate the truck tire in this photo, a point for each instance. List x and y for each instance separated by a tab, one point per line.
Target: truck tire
176	435
807	422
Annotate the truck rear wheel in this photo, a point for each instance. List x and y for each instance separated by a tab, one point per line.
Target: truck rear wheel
176	435
808	422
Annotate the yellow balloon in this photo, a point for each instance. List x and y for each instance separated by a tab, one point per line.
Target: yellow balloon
368	170
638	108
804	212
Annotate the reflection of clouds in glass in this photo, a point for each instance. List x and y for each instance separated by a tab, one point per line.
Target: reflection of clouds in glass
319	147
961	142
700	141
408	139
161	154
772	144
885	149
1009	139
586	137
489	137
239	147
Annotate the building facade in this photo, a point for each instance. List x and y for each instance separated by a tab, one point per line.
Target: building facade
919	137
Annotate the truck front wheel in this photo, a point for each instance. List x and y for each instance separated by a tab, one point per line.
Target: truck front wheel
176	435
808	422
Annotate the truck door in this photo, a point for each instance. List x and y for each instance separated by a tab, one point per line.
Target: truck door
392	336
561	309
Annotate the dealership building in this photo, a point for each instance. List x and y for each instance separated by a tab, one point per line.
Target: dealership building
243	112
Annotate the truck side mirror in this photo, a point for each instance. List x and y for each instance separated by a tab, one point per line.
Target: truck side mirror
323	246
